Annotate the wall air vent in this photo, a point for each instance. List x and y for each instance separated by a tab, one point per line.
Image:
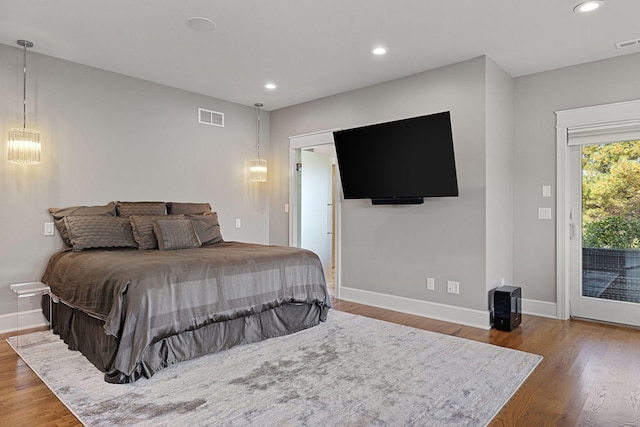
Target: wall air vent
209	117
628	43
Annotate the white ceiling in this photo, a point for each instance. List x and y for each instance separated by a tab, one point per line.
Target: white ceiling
313	48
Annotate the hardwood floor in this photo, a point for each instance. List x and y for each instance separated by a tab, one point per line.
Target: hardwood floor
590	375
24	399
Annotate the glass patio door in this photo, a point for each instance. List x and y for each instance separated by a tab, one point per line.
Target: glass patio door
605	232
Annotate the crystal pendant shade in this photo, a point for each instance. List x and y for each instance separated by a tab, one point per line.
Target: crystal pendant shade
257	166
258	170
23	147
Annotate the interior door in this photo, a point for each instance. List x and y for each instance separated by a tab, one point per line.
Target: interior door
604	232
316	226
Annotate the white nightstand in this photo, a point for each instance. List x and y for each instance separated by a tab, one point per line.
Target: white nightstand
27	290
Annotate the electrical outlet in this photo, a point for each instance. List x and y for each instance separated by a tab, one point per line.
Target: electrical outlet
431	284
453	287
238	223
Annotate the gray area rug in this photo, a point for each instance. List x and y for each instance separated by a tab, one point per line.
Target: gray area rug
349	371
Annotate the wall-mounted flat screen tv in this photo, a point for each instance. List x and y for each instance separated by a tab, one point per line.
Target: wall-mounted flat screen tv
398	162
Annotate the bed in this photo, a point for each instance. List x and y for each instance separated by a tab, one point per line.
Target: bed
133	312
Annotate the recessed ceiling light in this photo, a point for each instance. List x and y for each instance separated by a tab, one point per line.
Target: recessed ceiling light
200	24
588	6
270	86
379	50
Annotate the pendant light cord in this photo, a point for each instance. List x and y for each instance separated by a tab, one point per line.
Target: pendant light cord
25	44
258	105
24	90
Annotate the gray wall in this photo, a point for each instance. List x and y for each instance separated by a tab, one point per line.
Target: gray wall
390	249
109	137
537	98
499	173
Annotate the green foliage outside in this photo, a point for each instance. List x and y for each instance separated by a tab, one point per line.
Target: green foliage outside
611	195
613	232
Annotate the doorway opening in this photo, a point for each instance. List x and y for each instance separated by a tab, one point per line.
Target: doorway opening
314	201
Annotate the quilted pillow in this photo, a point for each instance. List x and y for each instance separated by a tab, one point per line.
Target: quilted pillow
140	208
177	208
175	234
142	226
94	231
207	227
59	214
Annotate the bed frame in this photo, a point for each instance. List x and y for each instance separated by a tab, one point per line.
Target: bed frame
86	334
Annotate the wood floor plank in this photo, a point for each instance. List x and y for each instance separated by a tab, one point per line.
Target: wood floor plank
590	374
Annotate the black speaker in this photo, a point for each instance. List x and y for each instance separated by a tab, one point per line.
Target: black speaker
506	307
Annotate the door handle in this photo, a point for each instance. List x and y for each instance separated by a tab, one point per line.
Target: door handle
329	217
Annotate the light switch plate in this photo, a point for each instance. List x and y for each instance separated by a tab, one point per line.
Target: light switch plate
48	229
546	191
544	213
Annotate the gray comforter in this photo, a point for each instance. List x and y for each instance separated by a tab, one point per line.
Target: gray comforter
144	296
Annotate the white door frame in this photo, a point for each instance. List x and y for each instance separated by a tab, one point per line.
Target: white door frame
596	124
299	142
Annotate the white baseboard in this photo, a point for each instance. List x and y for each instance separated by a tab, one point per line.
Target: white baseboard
27	319
448	313
539	308
432	310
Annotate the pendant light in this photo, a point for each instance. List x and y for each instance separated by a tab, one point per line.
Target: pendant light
23	147
258	166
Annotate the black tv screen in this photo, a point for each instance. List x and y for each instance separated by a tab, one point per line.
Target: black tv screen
398	162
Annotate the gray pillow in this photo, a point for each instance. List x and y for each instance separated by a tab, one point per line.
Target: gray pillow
207	227
59	214
94	231
177	208
175	234
142	226
140	208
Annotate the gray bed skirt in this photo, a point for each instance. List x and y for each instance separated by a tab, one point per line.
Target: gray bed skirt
86	334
